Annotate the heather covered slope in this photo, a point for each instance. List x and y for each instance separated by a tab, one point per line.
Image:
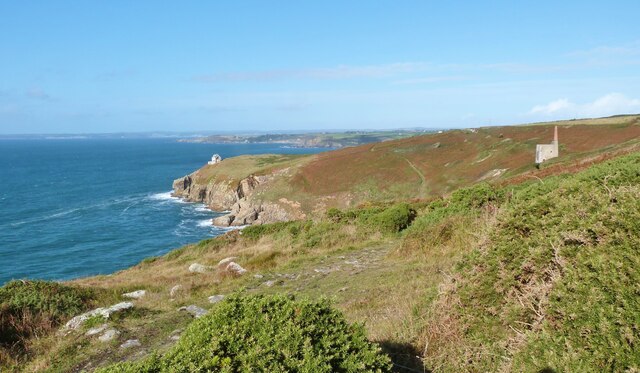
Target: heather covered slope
438	163
419	167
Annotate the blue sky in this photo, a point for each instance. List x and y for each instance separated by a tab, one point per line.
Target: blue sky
111	66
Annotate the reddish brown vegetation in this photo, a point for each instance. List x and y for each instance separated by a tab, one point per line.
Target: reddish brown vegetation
455	158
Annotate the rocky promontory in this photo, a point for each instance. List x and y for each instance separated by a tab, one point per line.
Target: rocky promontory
239	198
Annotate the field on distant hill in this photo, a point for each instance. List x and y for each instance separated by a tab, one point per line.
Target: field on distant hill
312	140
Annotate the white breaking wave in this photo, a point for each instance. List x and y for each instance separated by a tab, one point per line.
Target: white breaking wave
205	223
202	208
165	196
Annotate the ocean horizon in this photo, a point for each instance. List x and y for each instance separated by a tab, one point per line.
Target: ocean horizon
72	208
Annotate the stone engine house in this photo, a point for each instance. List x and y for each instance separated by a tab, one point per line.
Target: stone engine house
548	151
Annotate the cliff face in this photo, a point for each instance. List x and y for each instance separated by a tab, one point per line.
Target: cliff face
240	200
218	196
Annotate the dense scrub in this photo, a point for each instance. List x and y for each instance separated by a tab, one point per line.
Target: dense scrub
31	308
445	220
268	334
329	232
388	219
558	285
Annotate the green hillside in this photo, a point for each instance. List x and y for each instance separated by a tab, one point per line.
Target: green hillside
526	277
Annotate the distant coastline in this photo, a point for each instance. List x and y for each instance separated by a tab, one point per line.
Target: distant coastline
310	140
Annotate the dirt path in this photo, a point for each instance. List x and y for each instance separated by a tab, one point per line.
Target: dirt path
423	185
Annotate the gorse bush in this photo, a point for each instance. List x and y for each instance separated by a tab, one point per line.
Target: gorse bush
558	285
391	219
476	196
268	334
30	307
254	232
444	220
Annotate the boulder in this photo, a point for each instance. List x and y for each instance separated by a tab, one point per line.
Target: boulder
194	310
223	221
199	268
235	269
96	330
108	335
131	343
75	322
216	298
223	263
135	294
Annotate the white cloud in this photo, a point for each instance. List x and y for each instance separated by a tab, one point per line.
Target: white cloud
610	104
552	107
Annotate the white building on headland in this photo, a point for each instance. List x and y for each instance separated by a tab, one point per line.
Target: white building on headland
215	159
548	151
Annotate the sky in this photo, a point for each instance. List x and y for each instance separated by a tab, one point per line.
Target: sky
139	66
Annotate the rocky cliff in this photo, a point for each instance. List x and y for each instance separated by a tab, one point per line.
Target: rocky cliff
238	199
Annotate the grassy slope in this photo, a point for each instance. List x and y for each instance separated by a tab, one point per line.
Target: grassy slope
461	288
519	278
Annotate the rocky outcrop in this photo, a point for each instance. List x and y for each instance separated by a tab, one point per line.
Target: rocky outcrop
216	298
135	294
218	196
109	335
77	321
194	310
129	343
243	207
199	268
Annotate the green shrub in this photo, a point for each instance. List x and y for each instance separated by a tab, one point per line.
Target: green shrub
442	219
393	219
30	307
255	232
476	196
268	334
335	215
389	219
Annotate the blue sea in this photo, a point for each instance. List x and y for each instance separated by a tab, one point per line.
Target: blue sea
73	208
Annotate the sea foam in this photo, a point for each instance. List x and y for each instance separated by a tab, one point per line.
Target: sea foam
166	196
205	223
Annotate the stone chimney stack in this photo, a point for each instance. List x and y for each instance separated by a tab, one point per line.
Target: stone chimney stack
548	151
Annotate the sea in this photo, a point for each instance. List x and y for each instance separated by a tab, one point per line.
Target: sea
79	207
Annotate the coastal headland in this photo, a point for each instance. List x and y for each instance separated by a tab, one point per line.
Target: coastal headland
453	251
